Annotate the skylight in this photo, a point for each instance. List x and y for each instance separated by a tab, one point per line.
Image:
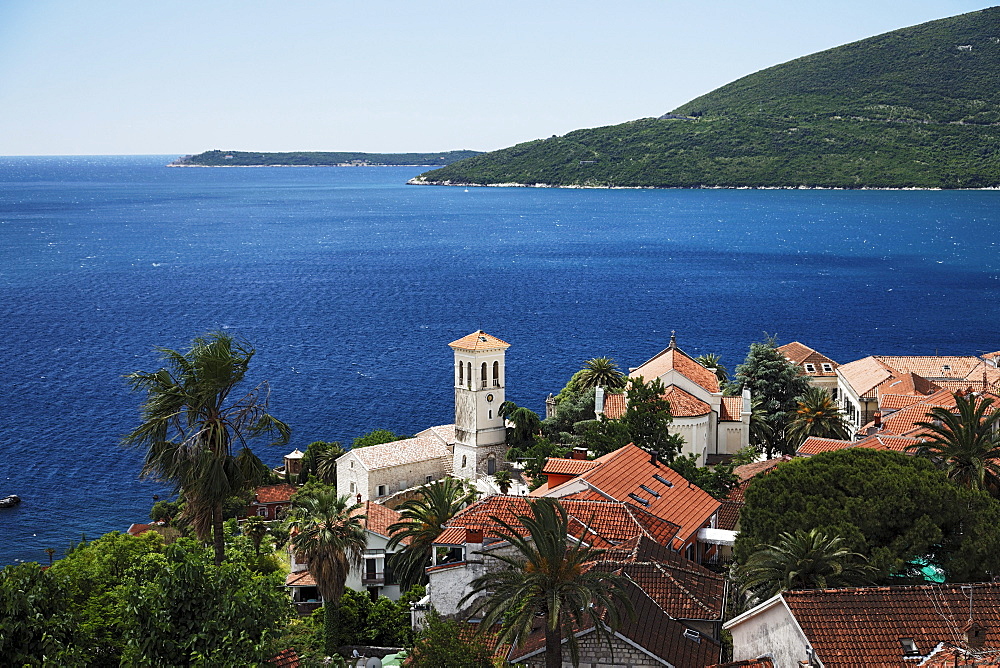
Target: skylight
663	480
638	498
909	647
650	490
691	634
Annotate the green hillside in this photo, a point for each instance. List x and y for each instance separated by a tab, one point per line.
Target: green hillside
316	159
916	107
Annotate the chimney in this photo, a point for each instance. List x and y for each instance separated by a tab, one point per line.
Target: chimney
878	419
579	452
654	458
673	339
975	634
474	536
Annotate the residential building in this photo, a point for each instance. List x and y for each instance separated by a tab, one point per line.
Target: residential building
817	367
271	501
714	427
871	626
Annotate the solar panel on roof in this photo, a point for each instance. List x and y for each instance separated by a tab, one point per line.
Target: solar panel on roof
650	490
663	480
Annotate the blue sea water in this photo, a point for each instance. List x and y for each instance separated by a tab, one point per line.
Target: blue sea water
351	284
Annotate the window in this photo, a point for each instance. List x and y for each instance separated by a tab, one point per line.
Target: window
909	647
428	478
946	367
496	374
262	512
468	368
353	488
484	374
464	461
491	415
491	465
381	490
810	367
827	367
691	634
461	376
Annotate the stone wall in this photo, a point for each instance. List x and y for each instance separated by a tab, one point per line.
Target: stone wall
595	653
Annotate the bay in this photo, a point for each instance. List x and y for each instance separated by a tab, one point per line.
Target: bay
351	284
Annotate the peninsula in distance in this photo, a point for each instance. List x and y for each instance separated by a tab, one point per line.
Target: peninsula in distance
317	159
917	107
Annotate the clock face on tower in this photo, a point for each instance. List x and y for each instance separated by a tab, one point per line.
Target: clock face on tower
489	397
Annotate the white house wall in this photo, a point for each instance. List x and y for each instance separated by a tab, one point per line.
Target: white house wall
772	631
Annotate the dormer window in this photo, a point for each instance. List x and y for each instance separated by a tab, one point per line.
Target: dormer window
909	647
810	367
946	368
827	367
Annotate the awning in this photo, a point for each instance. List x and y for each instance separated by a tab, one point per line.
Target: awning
717	536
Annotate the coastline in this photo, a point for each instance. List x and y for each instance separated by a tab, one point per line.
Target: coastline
420	182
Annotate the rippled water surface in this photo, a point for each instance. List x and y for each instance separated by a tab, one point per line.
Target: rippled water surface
351	285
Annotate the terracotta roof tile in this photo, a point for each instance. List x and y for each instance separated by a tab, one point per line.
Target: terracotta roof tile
684	404
747	471
729	514
603	523
864	376
379	518
568	466
429	444
674	359
729	511
479	341
274	494
136	529
800	354
907	383
614	405
815	445
750	663
286	658
622	474
682	588
863	627
300	579
888	403
731	409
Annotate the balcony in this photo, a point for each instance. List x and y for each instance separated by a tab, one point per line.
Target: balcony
373	579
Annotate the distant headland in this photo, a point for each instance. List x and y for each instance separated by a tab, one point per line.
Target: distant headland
319	159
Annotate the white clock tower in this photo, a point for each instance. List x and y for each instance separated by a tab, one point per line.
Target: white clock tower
480	432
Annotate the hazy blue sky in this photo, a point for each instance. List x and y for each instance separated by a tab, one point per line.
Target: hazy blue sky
109	76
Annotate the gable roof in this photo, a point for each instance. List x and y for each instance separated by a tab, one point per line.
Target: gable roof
614	405
731	409
603	524
865	375
274	494
621	475
379	518
478	341
674	359
863	626
429	444
558	465
799	354
684	404
814	445
300	579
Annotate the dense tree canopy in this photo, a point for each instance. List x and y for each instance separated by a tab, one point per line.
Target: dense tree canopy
892	508
776	384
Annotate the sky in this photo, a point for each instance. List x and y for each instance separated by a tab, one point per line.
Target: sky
108	77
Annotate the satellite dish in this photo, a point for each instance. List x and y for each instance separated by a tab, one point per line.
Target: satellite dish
373	662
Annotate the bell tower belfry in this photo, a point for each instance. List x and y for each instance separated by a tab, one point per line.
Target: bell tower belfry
480	432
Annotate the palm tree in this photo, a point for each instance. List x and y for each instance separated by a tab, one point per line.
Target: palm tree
423	520
503	480
966	443
803	560
714	362
326	463
551	577
255	528
330	534
195	436
601	371
816	415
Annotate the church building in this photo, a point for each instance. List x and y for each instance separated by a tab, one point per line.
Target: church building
471	448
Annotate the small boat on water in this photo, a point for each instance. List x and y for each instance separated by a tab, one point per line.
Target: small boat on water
10	501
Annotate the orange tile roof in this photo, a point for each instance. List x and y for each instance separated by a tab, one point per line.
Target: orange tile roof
729	511
300	579
863	627
747	471
815	445
452	536
379	518
799	354
603	523
674	359
274	494
732	409
429	444
621	475
558	465
684	404
893	402
479	341
864	376
729	514
682	588
614	405
907	383
286	658
749	663
136	529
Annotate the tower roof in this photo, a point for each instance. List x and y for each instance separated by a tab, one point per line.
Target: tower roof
479	341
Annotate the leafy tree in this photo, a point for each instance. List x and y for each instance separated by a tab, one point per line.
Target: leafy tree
890	507
534	457
524	425
717	482
769	375
576	408
377	437
966	443
181	609
503	480
647	418
166	511
328	532
550	577
442	644
602	372
255	528
606	436
713	361
196	436
37	624
320	461
801	560
816	415
423	519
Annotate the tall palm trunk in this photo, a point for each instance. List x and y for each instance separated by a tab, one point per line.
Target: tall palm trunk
331	622
218	539
553	647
